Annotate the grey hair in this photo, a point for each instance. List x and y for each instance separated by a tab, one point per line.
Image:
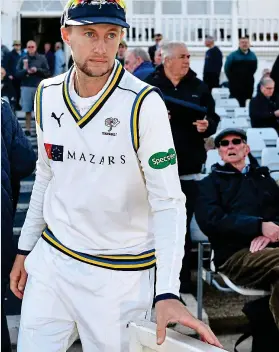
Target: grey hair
138	52
168	48
266	80
210	38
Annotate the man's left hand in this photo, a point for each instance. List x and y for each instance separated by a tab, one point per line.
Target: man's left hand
202	125
173	311
33	70
259	243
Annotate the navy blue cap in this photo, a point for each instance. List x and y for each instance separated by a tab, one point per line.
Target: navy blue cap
229	131
82	12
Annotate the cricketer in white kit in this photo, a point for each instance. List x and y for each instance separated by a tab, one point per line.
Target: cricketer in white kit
106	204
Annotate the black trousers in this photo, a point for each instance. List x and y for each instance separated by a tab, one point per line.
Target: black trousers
211	79
5	336
190	189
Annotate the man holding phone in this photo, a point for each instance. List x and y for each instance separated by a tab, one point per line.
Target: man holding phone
31	70
192	118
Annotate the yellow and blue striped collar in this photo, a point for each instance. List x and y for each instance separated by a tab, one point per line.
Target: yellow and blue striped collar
83	120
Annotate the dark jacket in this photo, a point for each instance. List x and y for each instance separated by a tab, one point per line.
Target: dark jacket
231	207
240	69
7	90
189	143
50	60
151	51
213	61
261	110
18	160
144	70
34	79
13	58
275	74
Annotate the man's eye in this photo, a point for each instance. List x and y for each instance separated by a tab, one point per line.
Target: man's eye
112	35
89	34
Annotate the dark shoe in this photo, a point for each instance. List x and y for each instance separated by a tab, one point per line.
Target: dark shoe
27	133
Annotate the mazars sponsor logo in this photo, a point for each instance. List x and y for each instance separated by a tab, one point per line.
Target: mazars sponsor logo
161	160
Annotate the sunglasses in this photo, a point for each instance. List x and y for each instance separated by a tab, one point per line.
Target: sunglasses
30	47
226	142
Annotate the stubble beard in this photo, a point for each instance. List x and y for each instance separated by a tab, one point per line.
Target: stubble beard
84	68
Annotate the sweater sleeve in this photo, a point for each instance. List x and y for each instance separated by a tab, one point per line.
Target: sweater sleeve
158	161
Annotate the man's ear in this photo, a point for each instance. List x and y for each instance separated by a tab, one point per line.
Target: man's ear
65	34
247	149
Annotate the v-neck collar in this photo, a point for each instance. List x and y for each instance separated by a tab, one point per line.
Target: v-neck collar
96	107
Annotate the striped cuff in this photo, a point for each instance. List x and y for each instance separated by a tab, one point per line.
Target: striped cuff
165	296
22	252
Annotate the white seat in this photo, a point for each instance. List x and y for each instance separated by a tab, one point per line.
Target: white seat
269	135
277	144
227	103
213	157
241	112
143	339
270	158
221	112
220	93
256	144
275	175
240	122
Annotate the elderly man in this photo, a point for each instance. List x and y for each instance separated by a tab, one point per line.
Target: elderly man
189	124
237	208
212	64
240	68
264	108
31	70
137	61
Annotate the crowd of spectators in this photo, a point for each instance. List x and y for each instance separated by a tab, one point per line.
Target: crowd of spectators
237	205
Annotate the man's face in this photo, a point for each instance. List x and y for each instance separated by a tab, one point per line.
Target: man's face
158	57
3	73
131	62
179	62
268	89
31	47
235	152
47	47
244	44
94	47
158	38
208	43
17	47
122	50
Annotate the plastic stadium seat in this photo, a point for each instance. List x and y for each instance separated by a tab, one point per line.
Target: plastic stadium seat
213	157
220	93
221	112
227	103
275	176
270	158
240	122
277	143
241	112
143	339
269	135
256	144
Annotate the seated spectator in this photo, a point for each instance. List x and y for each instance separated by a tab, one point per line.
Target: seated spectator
122	48
238	209
7	90
137	61
264	108
265	74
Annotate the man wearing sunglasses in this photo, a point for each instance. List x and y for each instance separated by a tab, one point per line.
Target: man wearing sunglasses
238	209
31	70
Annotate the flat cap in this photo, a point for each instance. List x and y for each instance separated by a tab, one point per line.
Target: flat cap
228	131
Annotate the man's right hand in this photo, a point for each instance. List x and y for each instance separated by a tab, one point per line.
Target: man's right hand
276	113
271	231
18	276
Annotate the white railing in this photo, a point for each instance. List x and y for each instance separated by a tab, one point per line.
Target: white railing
263	32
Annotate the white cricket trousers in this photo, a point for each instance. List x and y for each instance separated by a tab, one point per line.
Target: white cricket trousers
65	298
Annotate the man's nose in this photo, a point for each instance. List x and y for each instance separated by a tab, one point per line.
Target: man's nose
100	47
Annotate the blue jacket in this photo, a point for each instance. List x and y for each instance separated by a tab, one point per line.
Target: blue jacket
12	60
144	70
18	160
